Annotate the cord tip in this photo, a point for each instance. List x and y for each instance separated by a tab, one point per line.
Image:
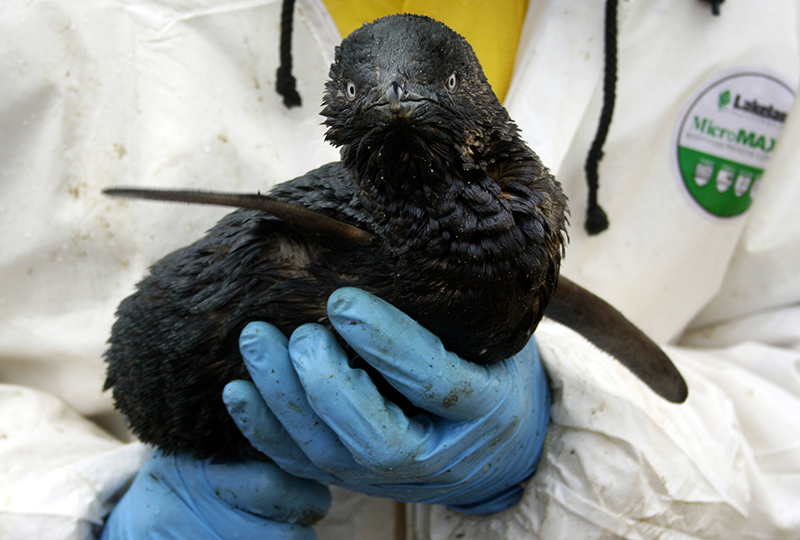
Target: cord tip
596	220
286	86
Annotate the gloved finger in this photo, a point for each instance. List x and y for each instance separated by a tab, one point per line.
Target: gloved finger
376	431
172	493
251	527
264	350
226	521
265	490
413	359
265	432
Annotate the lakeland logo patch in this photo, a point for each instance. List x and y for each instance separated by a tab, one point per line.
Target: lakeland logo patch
727	137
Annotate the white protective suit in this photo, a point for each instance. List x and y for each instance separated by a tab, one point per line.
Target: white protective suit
96	93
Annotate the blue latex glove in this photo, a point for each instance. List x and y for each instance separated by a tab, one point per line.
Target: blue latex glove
177	497
318	418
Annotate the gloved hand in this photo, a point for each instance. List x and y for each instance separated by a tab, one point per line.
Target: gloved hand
318	418
181	497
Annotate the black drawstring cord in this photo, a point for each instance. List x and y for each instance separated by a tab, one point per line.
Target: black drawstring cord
286	83
714	5
596	219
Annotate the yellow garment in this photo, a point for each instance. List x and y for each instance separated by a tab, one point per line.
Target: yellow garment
492	28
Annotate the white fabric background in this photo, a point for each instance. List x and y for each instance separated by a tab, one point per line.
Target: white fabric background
95	93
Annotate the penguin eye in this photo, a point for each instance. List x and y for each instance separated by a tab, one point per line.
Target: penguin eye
452	83
351	90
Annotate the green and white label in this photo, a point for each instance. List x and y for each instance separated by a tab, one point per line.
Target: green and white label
727	137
